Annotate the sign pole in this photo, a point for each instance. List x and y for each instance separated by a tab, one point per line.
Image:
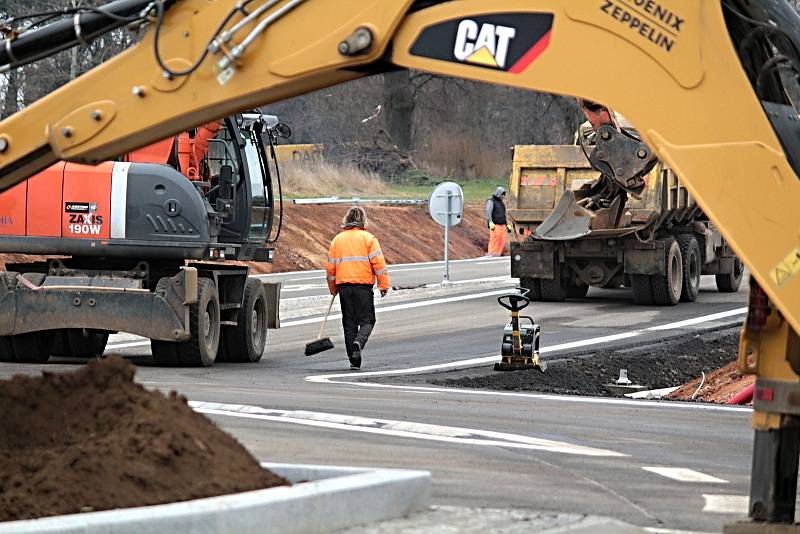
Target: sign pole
446	280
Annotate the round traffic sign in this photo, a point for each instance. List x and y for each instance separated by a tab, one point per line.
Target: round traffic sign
446	204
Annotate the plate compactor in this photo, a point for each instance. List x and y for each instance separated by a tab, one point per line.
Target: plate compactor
520	347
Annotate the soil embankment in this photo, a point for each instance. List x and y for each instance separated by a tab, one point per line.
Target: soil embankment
407	235
94	440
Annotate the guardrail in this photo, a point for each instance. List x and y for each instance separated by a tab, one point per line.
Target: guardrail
357	200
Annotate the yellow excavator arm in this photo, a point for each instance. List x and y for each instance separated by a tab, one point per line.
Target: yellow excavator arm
700	80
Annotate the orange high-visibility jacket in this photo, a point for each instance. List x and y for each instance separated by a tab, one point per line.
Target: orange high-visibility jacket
356	258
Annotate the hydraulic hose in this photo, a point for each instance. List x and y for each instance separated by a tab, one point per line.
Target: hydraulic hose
744	396
85	25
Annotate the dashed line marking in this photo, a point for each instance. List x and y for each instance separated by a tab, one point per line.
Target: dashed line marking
726	504
405	429
682	474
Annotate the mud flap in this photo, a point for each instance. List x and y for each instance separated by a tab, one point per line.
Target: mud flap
567	221
273	292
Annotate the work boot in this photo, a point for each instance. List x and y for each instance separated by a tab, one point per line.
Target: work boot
355	357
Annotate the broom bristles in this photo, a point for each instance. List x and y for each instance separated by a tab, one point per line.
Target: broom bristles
318	345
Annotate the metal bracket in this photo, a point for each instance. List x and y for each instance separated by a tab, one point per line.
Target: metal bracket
622	158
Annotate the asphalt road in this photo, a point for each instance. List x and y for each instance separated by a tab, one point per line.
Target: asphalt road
658	465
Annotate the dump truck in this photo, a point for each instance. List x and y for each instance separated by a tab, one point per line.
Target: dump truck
658	242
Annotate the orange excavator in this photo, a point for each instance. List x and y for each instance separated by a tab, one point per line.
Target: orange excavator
122	232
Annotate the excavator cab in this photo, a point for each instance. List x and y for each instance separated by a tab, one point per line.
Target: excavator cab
241	167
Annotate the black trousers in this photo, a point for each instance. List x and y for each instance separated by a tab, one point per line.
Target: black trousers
358	314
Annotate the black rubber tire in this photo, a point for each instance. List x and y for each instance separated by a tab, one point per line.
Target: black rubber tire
165	353
245	342
667	288
730	282
642	290
85	344
577	291
554	290
692	267
201	349
533	285
34	347
6	349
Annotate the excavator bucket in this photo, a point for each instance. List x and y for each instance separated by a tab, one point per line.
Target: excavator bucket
567	221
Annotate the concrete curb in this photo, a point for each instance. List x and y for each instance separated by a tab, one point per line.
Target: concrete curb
328	499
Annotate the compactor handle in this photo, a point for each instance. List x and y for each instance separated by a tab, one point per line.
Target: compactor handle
513	302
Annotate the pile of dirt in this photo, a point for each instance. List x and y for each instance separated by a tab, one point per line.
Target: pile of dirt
718	386
665	364
93	440
407	234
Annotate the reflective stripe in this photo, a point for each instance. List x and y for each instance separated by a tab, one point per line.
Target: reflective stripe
119	199
380	272
348	259
331	260
375	254
331	278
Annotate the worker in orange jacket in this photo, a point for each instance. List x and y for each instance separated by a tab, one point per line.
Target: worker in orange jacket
354	263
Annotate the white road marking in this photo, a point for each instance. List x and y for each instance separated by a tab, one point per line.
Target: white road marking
682	474
473	362
656	530
378	309
406	429
406	306
562	346
726	504
698	320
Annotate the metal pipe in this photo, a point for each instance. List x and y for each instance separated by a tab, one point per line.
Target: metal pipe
81	28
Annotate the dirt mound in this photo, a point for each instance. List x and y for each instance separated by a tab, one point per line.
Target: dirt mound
718	386
407	234
660	365
94	440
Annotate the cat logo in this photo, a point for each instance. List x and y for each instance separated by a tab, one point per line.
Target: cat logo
485	45
508	42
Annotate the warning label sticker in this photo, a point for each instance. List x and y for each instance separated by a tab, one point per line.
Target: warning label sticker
786	268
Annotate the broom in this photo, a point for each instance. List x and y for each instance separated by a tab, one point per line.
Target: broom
321	344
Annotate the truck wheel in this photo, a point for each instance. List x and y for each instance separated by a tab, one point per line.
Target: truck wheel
6	350
201	349
245	342
730	282
85	344
165	353
533	285
34	347
690	255
577	291
642	290
554	290
667	287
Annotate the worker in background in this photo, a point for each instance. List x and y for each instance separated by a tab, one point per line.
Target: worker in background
354	263
498	223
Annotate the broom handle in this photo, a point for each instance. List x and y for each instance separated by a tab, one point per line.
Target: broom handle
325	320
